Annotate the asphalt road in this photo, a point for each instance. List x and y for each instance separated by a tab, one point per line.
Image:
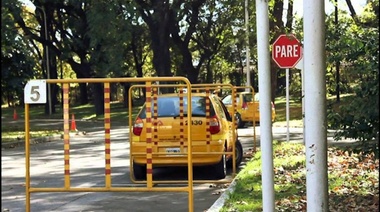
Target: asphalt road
87	170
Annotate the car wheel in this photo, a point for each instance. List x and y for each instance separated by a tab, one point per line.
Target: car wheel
220	168
238	155
239	122
139	171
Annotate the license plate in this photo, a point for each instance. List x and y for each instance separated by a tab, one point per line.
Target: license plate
173	150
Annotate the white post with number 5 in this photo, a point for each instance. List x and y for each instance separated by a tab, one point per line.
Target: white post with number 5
35	92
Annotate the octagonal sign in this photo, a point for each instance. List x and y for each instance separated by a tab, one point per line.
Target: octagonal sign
286	51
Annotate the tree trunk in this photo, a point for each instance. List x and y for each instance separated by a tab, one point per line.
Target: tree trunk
126	87
158	23
98	94
82	70
126	95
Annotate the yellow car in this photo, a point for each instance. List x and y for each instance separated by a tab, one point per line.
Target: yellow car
247	108
210	136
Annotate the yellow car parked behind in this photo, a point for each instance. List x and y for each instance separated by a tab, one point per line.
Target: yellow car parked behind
247	107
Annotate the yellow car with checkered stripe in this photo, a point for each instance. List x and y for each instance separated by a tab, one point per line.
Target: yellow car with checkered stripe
211	133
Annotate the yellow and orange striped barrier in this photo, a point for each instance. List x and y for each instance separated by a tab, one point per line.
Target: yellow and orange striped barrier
107	128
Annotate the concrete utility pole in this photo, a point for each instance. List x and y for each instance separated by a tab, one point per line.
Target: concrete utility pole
315	133
266	137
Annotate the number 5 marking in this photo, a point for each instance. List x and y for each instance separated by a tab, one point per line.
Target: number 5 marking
35	92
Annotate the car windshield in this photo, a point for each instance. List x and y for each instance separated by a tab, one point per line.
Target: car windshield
168	106
227	100
247	97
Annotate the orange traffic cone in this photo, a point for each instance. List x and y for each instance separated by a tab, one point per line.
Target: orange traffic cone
15	116
73	125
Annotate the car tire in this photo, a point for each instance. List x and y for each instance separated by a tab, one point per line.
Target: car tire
220	169
139	171
239	123
238	155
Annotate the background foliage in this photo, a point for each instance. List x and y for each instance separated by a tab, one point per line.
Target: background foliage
136	38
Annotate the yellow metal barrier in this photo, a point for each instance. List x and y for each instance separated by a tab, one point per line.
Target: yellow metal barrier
108	186
207	86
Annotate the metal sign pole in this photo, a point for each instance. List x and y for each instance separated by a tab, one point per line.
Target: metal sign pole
287	105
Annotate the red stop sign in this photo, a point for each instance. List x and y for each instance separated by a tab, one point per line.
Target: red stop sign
286	51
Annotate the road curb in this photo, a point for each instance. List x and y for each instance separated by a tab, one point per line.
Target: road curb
219	203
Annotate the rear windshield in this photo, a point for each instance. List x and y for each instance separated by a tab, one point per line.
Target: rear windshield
169	107
247	97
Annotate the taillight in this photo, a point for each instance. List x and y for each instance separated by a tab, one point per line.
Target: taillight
138	126
244	106
214	125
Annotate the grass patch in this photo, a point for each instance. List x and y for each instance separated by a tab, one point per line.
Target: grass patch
295	112
295	109
353	183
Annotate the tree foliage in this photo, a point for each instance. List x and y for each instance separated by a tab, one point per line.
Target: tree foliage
204	41
357	41
16	62
359	119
